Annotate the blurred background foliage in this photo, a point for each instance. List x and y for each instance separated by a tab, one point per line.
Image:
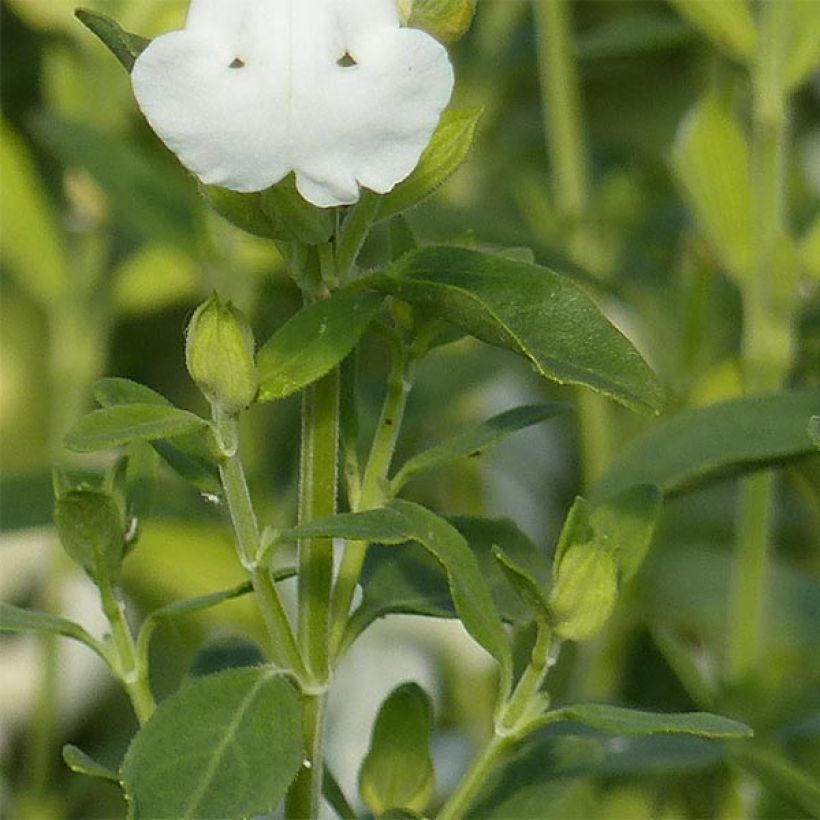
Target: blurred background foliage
107	247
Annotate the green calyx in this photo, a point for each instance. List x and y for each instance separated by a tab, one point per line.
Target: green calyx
446	20
219	354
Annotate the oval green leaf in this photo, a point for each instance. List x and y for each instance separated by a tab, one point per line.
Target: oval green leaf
78	761
313	342
530	310
616	720
126	47
226	745
120	424
15	619
700	445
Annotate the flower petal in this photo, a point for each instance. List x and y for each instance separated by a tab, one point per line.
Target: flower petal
251	90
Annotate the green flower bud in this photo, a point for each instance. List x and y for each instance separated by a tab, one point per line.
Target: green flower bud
219	354
92	530
584	591
446	20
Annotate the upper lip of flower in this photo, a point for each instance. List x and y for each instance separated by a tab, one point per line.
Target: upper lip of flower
251	90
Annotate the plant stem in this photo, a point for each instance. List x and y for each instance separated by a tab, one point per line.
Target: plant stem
354	232
305	795
373	491
766	344
521	701
285	651
318	478
126	662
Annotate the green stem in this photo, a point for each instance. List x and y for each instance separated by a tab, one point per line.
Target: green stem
520	705
317	499
126	661
373	491
285	651
354	232
305	795
766	344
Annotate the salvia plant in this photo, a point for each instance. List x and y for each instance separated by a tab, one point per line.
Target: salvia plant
314	126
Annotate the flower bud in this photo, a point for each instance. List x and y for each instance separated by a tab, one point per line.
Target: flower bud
446	20
91	527
219	355
584	591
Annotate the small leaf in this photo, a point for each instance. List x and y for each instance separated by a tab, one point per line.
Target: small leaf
473	442
121	424
530	310
711	159
398	771
189	455
15	619
528	589
704	444
443	155
332	792
404	521
728	23
78	761
313	342
226	745
616	720
126	47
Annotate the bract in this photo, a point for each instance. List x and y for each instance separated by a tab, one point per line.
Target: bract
334	90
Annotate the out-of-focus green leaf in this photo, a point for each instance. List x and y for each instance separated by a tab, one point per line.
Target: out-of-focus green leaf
313	342
803	57
728	23
397	771
809	249
126	47
706	443
189	455
15	619
475	441
445	152
780	775
31	240
154	278
150	201
226	745
123	423
628	34
711	159
616	720
530	310
814	430
405	521
78	761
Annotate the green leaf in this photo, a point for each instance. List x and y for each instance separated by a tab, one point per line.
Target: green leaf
397	771
332	792
408	579
31	240
313	342
126	47
528	589
189	455
15	619
814	430
530	310
226	745
91	527
780	775
711	160
405	521
475	441
630	34
728	23
443	155
78	761
803	56
704	444
626	524
616	720
120	424
276	213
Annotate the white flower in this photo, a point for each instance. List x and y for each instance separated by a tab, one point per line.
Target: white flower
251	90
